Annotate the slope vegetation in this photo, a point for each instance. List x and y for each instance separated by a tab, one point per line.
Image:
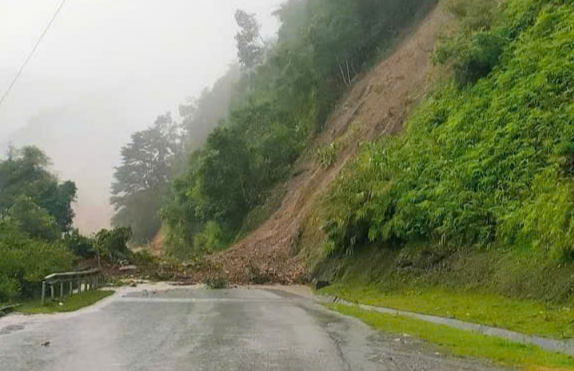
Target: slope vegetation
376	106
477	194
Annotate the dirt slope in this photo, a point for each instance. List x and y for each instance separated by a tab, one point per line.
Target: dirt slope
376	105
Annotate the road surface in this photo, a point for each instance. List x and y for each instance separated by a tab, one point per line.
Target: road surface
208	330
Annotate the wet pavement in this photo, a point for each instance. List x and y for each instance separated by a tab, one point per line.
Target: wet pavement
209	330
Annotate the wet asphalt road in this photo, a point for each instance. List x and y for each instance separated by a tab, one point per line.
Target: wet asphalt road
204	330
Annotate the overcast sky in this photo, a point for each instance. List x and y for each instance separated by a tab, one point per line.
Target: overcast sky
175	46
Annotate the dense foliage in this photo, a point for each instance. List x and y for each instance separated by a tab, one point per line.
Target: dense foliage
287	89
487	160
25	261
142	179
35	211
36	234
32	196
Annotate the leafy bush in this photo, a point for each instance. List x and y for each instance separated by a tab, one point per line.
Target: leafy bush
80	245
113	244
327	155
211	239
144	258
472	59
475	49
34	220
485	166
216	282
25	262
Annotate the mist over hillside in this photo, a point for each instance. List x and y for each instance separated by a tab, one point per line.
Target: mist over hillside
93	81
83	136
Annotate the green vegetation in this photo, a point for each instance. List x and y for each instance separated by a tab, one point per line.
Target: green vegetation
327	155
468	214
464	343
32	197
25	261
36	235
142	179
69	303
216	283
525	316
112	245
286	91
35	210
484	163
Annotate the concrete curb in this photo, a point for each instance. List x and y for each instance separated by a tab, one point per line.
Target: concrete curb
560	346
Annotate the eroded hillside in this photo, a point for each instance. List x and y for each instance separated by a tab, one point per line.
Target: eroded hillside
376	105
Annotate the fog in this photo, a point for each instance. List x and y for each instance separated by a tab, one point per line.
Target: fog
106	69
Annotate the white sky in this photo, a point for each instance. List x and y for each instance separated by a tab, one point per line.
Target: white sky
179	46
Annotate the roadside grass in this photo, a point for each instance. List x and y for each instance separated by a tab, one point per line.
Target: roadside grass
463	343
525	316
69	303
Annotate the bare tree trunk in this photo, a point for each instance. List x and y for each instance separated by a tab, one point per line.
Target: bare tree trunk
348	73
342	73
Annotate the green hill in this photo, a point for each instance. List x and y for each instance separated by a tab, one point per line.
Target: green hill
480	185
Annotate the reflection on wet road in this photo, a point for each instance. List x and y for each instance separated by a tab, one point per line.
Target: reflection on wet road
205	330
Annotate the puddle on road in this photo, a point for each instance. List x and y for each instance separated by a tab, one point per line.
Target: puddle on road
10	329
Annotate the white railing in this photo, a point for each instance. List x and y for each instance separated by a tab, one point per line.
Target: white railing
72	282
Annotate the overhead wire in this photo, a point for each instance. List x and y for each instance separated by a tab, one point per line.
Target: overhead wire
31	54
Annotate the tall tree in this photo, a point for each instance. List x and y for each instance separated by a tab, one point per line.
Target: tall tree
142	179
250	48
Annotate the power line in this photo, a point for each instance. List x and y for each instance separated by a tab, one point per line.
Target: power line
32	52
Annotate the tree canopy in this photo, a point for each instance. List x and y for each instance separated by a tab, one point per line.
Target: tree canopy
35	212
142	178
33	196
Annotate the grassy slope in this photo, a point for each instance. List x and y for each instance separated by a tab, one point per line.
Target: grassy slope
526	316
488	167
463	343
69	304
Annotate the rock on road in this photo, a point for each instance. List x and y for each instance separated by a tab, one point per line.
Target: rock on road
208	330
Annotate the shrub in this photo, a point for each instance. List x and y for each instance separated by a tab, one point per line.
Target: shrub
327	155
211	239
25	262
480	59
475	49
144	258
34	220
113	244
80	245
216	282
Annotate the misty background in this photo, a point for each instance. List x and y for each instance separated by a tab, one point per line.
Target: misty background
106	69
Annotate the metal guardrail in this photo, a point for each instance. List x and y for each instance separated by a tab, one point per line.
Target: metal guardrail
72	282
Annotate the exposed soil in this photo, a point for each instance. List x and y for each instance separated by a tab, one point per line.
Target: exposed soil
377	105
